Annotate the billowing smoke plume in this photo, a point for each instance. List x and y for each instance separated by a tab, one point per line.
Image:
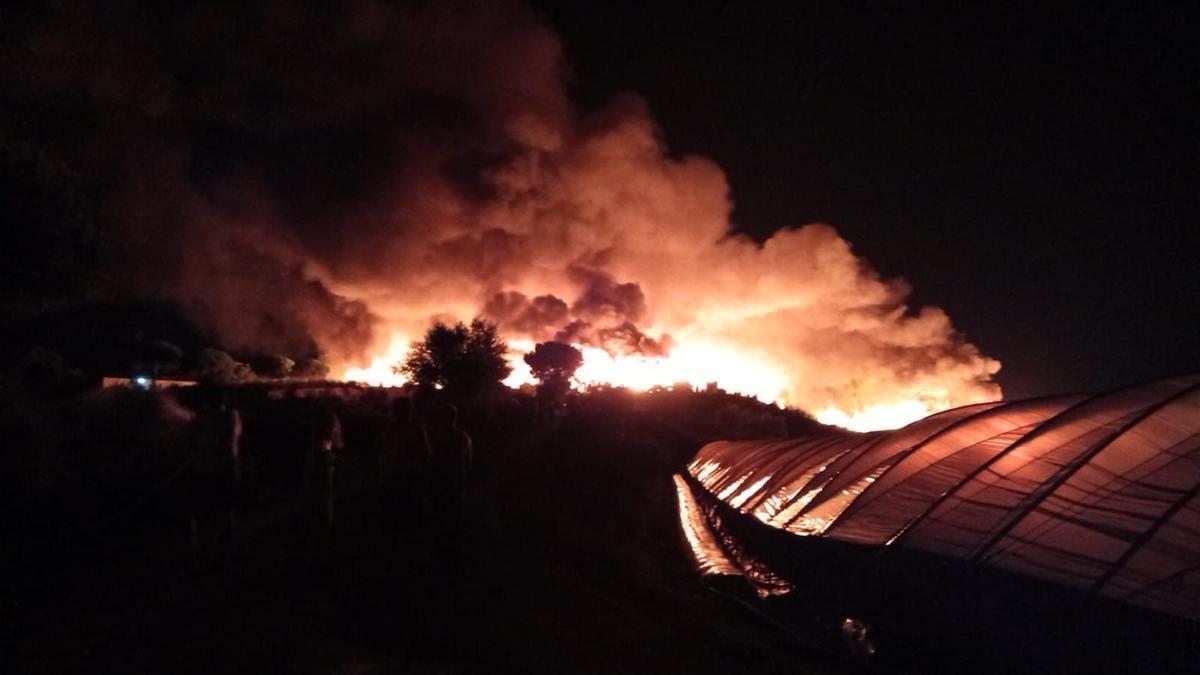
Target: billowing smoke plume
328	179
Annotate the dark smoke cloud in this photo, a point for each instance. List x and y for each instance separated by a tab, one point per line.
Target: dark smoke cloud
253	152
624	338
601	316
516	314
603	299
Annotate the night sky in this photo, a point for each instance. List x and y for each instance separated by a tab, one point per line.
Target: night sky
1031	170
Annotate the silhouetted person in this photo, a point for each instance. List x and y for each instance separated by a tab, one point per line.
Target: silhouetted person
411	448
373	444
319	485
409	454
857	639
214	473
446	469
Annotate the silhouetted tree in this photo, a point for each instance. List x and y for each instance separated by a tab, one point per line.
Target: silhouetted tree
750	420
460	358
554	361
274	366
553	364
220	368
310	369
156	356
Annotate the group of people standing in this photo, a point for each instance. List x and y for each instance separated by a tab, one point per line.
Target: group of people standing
420	465
435	455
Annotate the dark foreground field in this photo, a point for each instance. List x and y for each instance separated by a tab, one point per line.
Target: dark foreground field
573	563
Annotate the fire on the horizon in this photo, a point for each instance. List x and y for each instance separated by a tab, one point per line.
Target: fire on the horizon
697	366
452	177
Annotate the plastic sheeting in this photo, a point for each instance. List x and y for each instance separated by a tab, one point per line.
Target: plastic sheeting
938	464
1099	492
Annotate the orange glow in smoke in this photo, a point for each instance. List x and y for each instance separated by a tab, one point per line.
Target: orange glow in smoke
695	364
379	373
878	416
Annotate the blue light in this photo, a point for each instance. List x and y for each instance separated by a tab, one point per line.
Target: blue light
142	381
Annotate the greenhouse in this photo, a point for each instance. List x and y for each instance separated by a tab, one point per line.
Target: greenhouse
1098	493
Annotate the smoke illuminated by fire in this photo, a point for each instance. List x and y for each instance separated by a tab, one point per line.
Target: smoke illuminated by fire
424	162
581	227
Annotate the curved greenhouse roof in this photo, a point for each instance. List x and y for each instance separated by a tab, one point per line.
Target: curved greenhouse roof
1097	492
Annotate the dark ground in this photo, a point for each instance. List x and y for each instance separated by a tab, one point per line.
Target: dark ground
573	563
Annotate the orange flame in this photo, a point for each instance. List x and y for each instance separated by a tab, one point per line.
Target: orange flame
696	364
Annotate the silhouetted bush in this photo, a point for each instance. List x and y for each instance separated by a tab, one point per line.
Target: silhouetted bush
217	367
274	366
554	361
740	421
553	364
461	359
310	369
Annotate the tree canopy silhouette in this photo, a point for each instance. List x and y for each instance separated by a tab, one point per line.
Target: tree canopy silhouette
218	367
157	356
274	366
554	362
458	357
310	369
